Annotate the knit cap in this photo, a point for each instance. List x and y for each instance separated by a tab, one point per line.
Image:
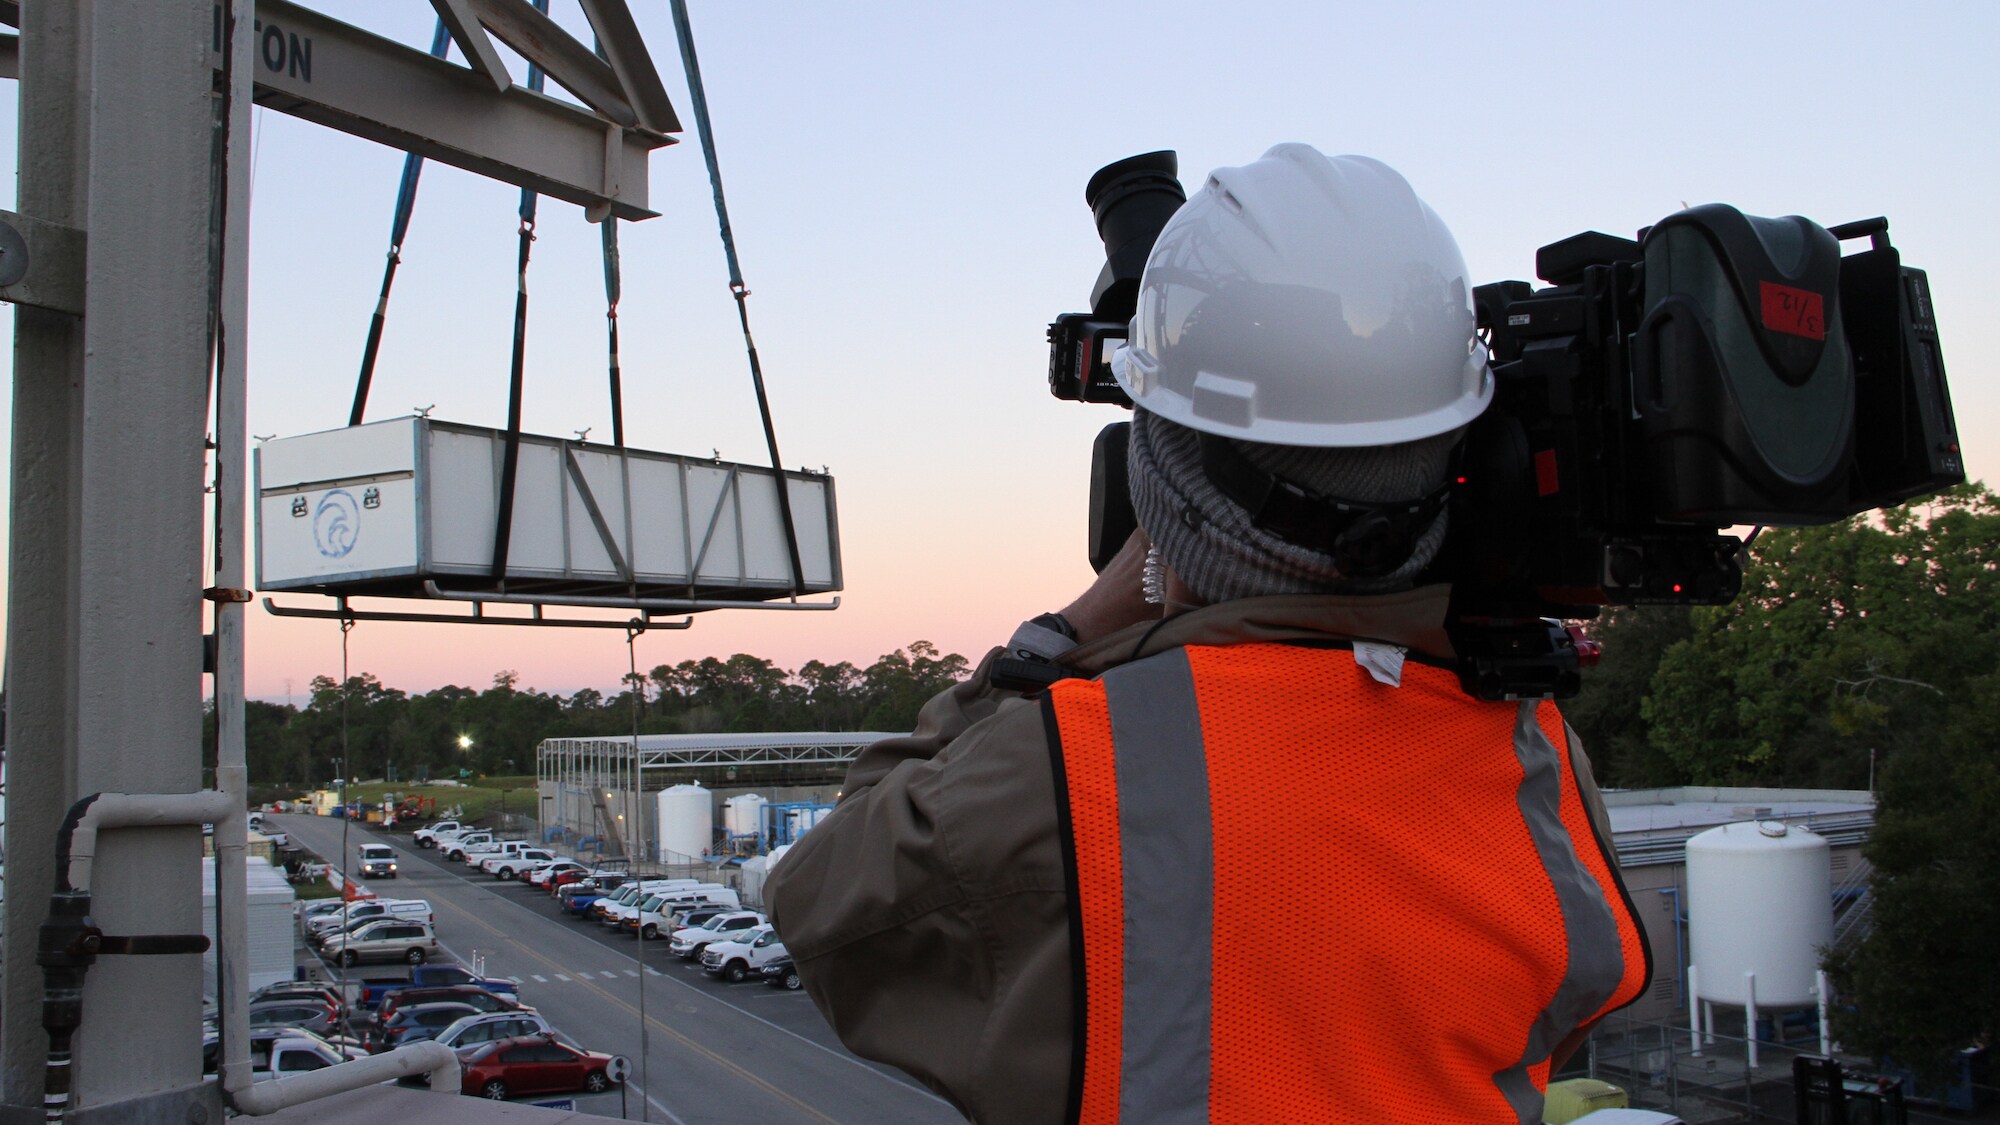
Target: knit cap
1209	540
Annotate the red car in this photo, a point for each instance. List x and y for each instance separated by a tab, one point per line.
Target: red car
536	1064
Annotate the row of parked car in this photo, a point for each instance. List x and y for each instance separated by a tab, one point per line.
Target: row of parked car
505	1047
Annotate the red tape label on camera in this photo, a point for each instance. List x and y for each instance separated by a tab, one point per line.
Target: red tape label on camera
1795	312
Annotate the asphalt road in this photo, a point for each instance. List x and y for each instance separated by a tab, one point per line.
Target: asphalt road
707	1051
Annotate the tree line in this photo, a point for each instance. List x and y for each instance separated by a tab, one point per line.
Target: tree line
496	730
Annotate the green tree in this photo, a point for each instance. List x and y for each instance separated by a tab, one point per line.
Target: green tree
1849	643
1607	714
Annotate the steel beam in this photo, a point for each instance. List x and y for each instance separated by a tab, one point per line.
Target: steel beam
337	75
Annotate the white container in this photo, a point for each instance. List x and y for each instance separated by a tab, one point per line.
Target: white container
687	822
384	508
1759	901
270	927
743	814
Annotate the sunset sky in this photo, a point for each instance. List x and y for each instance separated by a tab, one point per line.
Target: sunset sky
906	183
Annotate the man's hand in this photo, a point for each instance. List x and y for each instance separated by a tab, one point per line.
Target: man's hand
1117	598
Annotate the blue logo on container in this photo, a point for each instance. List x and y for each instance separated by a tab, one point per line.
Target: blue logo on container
336	524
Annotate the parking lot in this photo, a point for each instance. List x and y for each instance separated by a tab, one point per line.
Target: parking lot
702	1050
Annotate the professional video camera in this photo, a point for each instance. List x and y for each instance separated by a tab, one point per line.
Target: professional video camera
1722	370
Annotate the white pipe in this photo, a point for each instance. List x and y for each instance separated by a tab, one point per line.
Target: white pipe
137	810
1694	1008
434	1059
1821	986
1750	1018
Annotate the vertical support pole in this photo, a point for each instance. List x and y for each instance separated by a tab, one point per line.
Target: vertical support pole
1750	1019
1820	987
1694	1008
1708	1022
105	618
232	446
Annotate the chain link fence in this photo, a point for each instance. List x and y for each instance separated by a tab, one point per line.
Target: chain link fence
1714	1082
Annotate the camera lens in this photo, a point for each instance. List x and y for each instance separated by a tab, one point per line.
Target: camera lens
1131	200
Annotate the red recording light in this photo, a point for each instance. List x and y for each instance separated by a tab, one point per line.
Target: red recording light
1677	587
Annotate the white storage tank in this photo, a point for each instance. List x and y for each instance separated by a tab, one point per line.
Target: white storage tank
269	914
743	814
687	822
1759	901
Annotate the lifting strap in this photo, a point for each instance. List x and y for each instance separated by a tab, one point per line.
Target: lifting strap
406	200
611	292
510	457
685	33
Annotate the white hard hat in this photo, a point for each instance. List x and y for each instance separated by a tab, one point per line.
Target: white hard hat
1306	300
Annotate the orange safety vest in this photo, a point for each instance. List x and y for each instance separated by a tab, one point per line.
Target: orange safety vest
1301	895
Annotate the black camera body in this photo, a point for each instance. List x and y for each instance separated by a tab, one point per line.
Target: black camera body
1722	370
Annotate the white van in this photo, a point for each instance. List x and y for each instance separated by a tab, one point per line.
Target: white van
376	861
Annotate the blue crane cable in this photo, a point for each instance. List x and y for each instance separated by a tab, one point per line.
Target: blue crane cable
510	458
684	31
406	201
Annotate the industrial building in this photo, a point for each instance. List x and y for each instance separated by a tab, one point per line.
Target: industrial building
684	796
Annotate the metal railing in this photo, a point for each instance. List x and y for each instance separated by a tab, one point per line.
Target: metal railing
1714	1082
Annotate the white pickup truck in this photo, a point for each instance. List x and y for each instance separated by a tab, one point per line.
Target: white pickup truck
735	960
457	847
688	942
509	864
427	836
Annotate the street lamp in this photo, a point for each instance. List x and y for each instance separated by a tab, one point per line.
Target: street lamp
465	742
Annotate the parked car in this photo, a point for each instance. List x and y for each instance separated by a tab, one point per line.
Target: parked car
277	1052
512	866
372	992
688	943
405	909
536	1064
309	991
783	973
749	952
305	910
580	899
316	1016
427	836
385	939
378	861
470	995
415	1023
474	1030
543	874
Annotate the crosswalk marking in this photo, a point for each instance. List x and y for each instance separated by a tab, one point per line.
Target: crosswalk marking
608	975
631	972
652	970
516	980
540	979
561	977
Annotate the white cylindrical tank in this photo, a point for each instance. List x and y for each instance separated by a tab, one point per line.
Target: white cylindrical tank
687	822
1759	901
743	814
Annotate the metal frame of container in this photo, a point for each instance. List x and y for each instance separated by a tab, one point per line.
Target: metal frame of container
592	524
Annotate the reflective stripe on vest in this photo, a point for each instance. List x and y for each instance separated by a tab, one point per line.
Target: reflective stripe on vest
1300	895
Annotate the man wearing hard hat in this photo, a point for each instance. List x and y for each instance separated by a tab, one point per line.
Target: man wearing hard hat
1260	859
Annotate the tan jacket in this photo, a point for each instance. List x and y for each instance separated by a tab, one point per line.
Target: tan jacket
927	913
